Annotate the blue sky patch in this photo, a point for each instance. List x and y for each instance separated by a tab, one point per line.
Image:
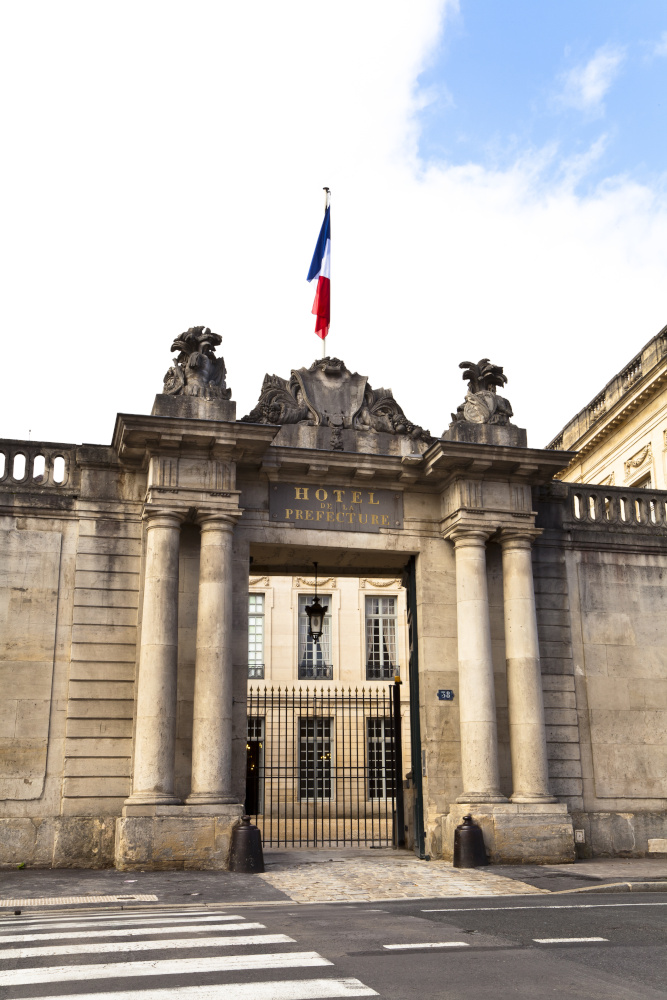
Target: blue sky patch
579	78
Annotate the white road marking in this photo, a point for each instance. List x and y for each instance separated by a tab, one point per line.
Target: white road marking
166	967
428	944
285	989
130	932
157	922
37	919
562	940
566	906
66	900
113	947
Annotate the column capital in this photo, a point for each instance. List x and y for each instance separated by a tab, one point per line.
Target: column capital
161	516
473	535
519	537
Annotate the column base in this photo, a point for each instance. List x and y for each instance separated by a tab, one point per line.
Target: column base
481	797
210	799
159	838
516	832
535	799
148	799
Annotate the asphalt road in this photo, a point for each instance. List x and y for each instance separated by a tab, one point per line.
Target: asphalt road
610	946
489	947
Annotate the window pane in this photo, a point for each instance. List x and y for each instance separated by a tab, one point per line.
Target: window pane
380	759
380	637
255	635
315	758
315	657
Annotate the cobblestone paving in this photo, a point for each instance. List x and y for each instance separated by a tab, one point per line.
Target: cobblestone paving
371	880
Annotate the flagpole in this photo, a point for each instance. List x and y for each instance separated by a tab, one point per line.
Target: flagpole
327	195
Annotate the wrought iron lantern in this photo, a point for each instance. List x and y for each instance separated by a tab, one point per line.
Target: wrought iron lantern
316	614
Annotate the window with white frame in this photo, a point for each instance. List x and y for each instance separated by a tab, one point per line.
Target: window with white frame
315	657
381	658
256	635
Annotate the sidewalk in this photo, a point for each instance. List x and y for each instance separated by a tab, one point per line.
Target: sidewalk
322	875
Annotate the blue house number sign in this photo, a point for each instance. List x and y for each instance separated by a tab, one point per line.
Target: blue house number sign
444	694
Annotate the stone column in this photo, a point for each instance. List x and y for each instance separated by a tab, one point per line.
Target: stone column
212	715
155	735
477	700
530	778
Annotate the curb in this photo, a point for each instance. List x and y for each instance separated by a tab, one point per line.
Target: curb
616	887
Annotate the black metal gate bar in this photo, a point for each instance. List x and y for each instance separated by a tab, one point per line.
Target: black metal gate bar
324	772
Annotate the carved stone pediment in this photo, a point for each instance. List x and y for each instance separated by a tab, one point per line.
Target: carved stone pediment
333	394
329	395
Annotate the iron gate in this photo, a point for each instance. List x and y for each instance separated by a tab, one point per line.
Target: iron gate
322	765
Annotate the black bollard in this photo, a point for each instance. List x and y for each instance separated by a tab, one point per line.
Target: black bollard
469	849
246	853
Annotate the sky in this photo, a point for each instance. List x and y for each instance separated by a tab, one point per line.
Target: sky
498	178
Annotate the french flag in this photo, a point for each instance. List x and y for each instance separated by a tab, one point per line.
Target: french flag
320	268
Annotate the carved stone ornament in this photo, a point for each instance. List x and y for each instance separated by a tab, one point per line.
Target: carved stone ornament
482	405
367	581
638	459
196	371
329	395
609	480
311	582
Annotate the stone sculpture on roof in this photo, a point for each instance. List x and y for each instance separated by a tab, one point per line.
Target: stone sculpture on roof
482	405
196	371
484	416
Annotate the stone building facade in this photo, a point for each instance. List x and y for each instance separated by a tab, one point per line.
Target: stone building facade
125	576
620	438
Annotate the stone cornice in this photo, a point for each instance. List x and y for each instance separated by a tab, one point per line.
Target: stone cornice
136	437
529	465
429	472
618	413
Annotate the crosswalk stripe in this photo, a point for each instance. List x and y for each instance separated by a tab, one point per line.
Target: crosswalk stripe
130	916
129	897
165	967
130	922
130	932
105	947
286	989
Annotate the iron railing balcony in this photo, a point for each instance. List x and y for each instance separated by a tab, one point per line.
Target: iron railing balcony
381	671
316	671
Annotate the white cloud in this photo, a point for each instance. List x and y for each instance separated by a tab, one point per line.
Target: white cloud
660	47
585	86
164	168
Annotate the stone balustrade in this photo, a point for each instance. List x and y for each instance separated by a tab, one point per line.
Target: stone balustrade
36	464
616	505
